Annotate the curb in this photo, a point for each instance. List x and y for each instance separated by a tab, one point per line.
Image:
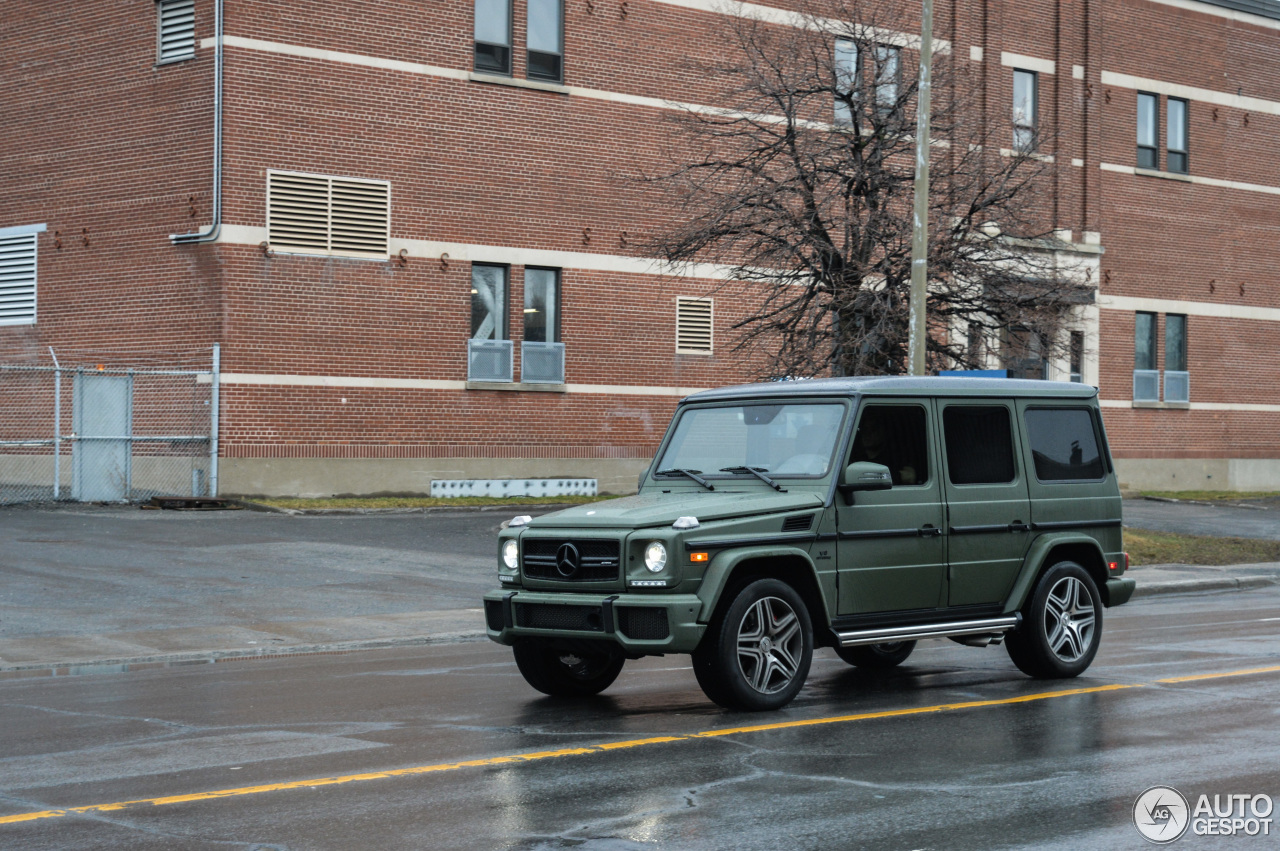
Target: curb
165	660
1189	586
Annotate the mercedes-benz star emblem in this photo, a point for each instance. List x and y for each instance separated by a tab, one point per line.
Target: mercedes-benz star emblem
567	560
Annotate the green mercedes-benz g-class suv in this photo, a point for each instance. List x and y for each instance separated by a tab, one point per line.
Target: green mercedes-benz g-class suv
861	514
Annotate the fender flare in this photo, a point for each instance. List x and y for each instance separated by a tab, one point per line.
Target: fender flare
1034	563
723	565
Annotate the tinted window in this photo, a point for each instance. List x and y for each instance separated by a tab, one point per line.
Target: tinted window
1063	444
979	444
895	436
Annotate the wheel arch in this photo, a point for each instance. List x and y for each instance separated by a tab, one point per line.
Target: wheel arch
735	569
1047	551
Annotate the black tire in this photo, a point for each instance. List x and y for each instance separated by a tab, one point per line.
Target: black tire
877	655
1061	629
564	672
756	653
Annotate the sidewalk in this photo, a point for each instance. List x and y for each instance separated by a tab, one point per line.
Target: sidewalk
56	655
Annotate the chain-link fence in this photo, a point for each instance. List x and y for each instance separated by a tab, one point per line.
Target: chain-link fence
109	428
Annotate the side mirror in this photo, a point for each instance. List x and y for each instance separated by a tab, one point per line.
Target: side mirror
864	476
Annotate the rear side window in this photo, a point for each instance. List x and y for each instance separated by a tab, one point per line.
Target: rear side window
1064	444
979	444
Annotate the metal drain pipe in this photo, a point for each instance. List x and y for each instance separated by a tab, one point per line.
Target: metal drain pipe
210	234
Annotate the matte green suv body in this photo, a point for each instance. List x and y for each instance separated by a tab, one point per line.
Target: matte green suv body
862	514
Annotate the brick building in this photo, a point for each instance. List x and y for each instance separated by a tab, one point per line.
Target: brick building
419	261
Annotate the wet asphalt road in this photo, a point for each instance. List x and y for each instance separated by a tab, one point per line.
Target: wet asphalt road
1055	772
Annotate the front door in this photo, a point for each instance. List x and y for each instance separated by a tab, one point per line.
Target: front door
891	550
989	511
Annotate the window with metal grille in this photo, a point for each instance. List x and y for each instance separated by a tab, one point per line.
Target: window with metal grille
18	275
693	326
175	30
317	214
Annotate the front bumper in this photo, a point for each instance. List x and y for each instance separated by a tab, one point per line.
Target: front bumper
641	624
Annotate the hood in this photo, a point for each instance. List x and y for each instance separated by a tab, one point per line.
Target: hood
661	509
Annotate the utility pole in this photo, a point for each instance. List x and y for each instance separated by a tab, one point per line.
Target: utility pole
919	324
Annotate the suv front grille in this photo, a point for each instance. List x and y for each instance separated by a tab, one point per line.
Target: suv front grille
553	558
583	618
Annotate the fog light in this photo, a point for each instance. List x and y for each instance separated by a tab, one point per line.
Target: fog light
655	557
511	554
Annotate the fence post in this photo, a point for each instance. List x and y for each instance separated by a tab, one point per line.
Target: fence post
213	419
57	426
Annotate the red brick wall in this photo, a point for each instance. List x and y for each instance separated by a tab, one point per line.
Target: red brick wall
94	137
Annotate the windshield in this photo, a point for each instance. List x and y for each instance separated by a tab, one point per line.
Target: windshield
781	440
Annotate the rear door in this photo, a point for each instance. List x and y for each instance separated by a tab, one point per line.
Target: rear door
891	547
988	506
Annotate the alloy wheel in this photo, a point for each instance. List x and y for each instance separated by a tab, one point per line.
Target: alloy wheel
1069	619
770	645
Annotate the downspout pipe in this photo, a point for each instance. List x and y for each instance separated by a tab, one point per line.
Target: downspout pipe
210	234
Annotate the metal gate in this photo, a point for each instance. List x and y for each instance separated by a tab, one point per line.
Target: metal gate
137	430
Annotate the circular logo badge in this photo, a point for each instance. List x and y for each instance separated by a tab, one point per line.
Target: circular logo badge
1161	814
567	560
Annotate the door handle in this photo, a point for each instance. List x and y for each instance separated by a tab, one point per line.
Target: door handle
929	530
1019	526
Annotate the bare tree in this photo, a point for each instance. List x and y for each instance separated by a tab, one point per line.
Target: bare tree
801	183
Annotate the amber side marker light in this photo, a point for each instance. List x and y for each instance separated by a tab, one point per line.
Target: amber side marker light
698	556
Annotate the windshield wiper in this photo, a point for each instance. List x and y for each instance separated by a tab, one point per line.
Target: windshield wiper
693	474
759	473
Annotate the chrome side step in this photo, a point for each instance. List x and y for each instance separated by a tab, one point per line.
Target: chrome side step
914	632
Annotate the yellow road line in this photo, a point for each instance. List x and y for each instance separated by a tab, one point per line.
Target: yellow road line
1217	676
515	759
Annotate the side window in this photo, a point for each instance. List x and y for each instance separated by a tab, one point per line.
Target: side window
1064	444
488	302
545	40
897	437
493	36
979	444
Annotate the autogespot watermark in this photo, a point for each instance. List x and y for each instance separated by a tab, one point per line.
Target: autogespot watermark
1162	815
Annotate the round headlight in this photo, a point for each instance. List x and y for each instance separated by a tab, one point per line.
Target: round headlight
655	556
511	554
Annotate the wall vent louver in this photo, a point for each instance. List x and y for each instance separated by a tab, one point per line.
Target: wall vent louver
693	325
317	214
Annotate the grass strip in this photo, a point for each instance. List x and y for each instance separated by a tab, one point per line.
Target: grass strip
1215	496
1149	547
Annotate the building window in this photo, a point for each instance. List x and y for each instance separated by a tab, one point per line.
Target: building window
1076	356
490	356
1024	353
488	302
1146	377
546	40
18	274
493	36
1176	378
1025	106
693	326
888	76
846	79
541	352
175	30
1176	158
541	305
1148	131
318	214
